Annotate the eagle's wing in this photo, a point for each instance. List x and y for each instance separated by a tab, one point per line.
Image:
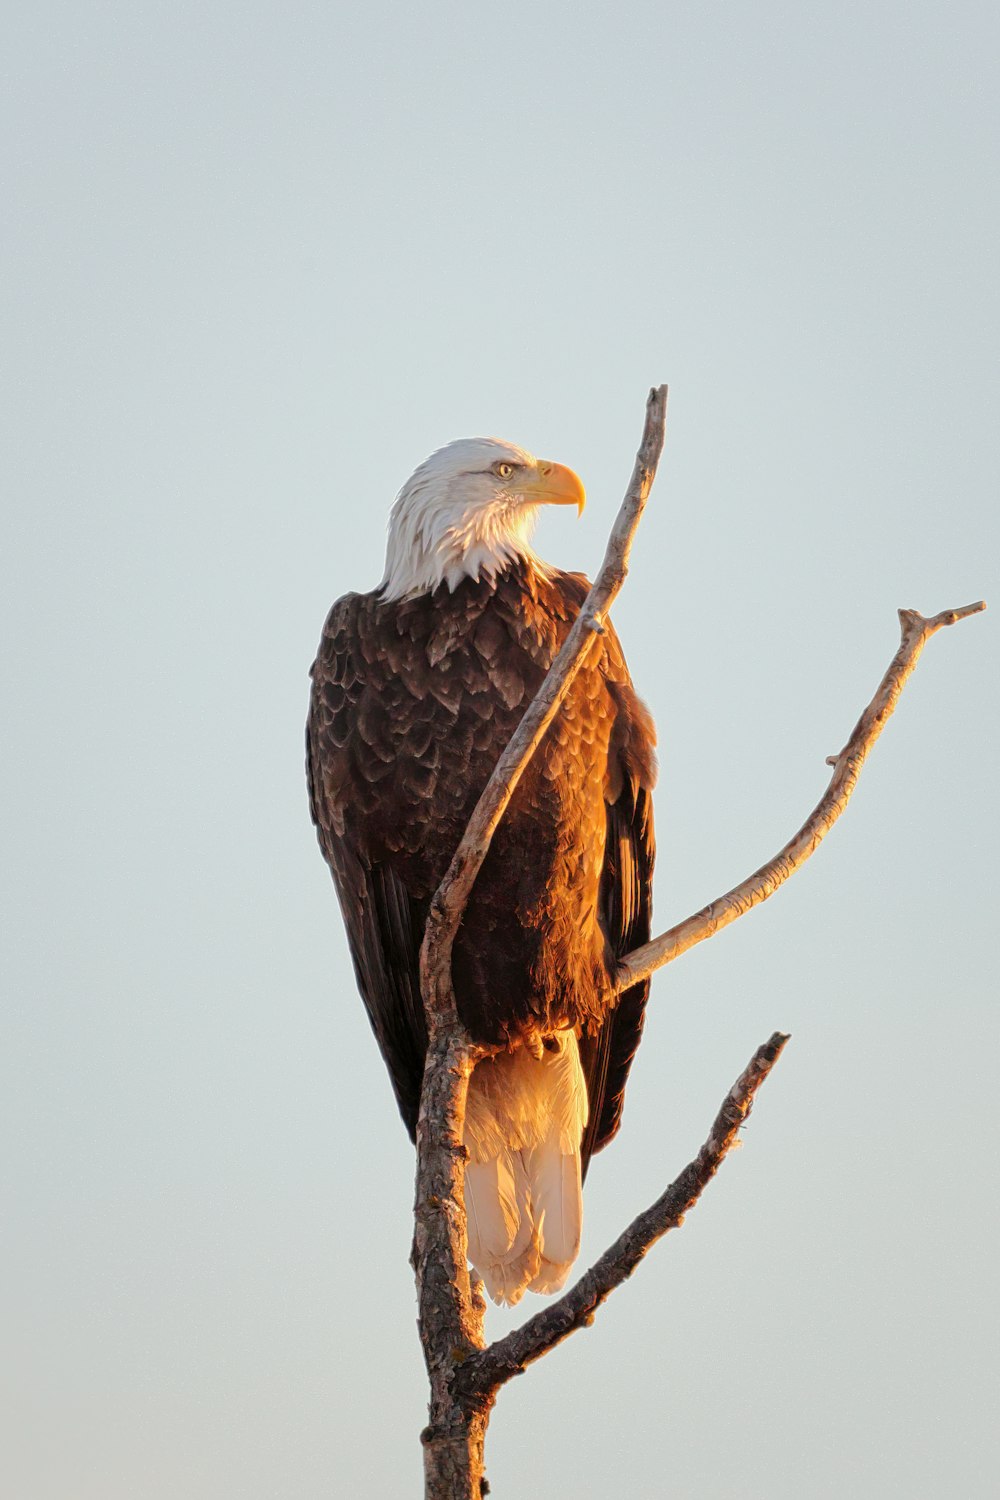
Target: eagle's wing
348	754
626	887
384	922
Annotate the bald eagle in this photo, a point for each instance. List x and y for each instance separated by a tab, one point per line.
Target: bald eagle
416	690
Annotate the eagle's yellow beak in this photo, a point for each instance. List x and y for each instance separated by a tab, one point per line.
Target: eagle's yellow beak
553	484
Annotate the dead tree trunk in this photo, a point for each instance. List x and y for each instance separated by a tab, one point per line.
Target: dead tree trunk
465	1374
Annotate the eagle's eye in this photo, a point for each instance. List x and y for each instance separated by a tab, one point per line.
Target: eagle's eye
503	471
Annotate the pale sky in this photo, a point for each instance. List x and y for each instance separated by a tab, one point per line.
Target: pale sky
258	261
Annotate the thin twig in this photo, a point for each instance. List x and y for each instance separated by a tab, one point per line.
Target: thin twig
915	632
509	1356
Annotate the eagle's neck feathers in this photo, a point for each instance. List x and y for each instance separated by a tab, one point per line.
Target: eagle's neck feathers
433	547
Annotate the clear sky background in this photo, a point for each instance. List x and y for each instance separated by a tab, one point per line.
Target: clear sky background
258	261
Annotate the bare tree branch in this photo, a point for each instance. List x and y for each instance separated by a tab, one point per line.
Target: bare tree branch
464	1377
509	1356
915	632
449	1317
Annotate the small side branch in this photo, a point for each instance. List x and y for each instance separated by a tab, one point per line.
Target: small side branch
915	632
485	1372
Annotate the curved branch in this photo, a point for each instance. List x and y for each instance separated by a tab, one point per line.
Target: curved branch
484	1372
915	632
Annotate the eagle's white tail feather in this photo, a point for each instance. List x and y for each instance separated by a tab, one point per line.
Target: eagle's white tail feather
557	1209
496	1202
505	1272
524	1125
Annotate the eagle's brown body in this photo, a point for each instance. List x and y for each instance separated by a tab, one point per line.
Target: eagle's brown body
413	701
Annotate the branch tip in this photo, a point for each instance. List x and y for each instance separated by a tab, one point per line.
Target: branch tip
952	616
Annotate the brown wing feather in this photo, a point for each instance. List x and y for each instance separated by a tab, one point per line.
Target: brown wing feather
410	706
626	894
384	922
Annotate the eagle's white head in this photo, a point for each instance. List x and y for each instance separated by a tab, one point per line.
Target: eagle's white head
469	510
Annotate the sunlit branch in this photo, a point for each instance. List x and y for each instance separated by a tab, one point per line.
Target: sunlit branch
915	632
